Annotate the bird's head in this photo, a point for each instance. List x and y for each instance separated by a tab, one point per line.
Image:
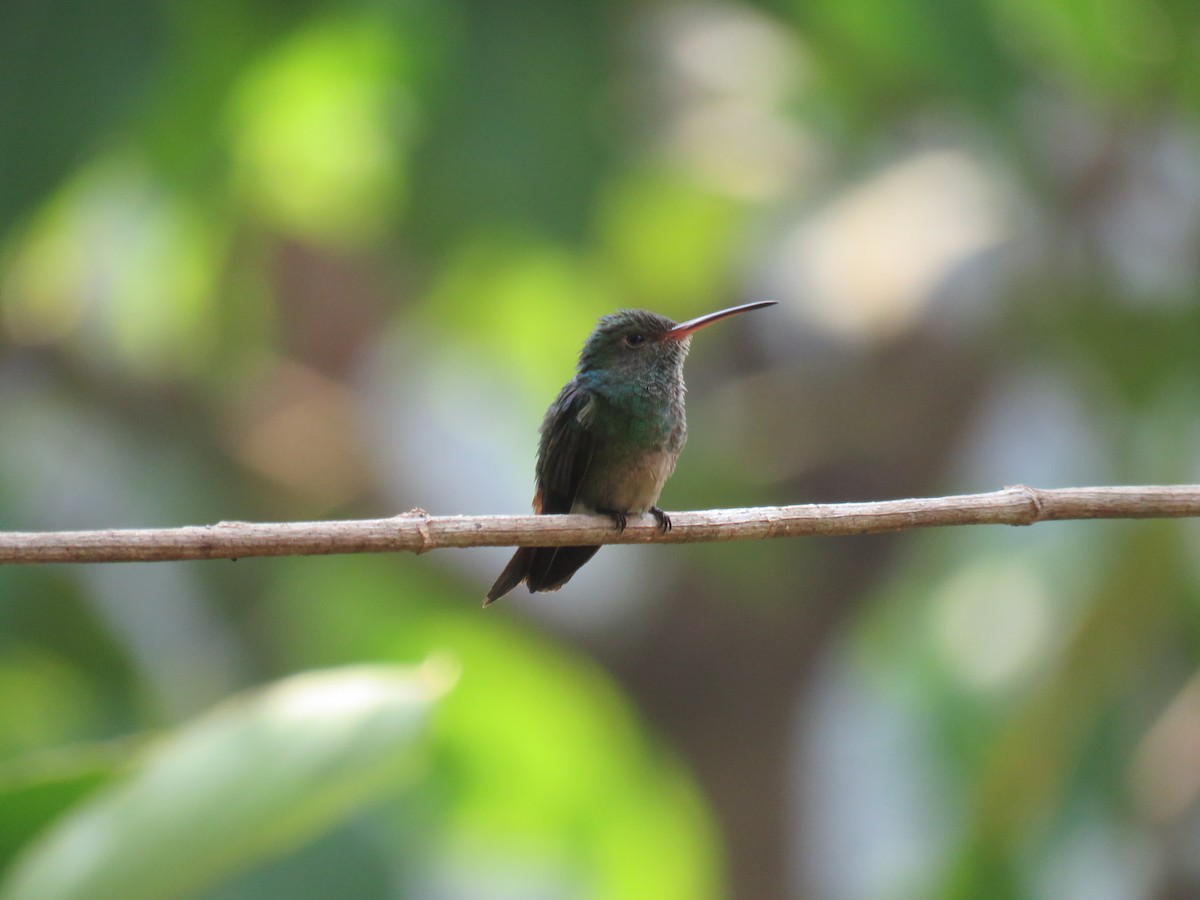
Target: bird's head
634	342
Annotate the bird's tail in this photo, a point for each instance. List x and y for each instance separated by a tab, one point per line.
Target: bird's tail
514	573
541	568
552	567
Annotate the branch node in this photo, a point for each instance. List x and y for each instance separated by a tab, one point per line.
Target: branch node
1036	504
427	541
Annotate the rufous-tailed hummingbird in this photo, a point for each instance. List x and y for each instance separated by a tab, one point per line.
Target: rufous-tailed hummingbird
610	441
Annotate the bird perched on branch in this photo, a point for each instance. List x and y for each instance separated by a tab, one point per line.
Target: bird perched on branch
610	441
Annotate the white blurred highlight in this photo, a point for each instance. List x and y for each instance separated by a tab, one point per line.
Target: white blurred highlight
992	624
869	264
1166	770
720	80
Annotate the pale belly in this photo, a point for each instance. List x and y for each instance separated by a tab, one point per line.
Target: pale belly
631	484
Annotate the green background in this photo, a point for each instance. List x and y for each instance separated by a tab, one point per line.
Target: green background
266	260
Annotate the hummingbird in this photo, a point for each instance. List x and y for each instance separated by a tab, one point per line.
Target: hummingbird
610	440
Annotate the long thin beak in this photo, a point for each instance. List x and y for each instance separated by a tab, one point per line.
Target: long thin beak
683	329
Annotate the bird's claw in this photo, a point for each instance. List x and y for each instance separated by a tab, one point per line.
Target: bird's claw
617	516
620	519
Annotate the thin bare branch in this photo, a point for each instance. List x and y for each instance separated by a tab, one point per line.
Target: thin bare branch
416	531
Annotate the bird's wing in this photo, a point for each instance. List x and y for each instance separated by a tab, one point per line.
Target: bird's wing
564	456
566	449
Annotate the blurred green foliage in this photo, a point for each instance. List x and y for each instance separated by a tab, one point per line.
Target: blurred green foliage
264	260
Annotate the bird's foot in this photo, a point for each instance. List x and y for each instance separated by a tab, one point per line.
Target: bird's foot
617	517
663	520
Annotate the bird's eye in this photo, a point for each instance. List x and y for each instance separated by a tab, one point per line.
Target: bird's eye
634	339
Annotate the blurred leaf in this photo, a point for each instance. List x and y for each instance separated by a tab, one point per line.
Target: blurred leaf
36	790
578	778
670	242
318	127
541	761
257	775
353	860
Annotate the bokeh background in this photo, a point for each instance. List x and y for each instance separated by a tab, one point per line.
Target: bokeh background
270	260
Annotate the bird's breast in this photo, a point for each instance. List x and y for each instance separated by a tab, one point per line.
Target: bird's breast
638	434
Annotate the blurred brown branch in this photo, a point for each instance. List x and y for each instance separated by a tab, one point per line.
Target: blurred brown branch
416	531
